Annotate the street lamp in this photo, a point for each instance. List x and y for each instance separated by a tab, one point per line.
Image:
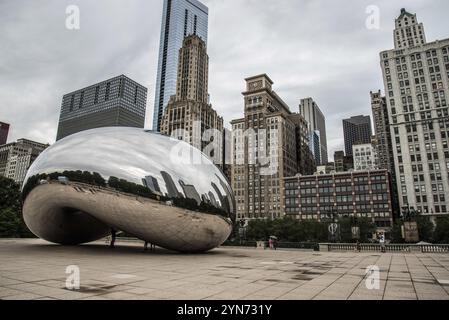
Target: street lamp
333	227
242	230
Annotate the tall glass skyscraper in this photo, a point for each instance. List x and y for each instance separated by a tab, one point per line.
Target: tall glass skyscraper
180	19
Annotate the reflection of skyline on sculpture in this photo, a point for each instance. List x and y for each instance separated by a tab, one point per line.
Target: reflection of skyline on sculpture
135	166
78	190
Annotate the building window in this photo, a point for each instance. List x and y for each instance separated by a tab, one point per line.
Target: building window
81	100
72	102
108	90
97	92
136	93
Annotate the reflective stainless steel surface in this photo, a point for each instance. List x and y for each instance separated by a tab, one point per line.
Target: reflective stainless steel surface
142	183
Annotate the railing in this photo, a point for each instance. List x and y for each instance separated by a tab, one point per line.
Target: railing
280	245
430	248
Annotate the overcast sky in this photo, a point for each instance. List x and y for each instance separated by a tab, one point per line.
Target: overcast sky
317	48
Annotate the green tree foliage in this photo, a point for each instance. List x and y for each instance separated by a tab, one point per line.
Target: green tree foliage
425	228
288	230
367	228
441	234
396	233
11	221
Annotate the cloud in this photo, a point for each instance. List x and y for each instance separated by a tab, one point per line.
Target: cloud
317	48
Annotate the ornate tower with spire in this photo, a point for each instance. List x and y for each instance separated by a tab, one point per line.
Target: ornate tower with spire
408	32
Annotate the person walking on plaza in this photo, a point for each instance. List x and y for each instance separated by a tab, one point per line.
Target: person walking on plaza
358	246
382	243
270	243
113	237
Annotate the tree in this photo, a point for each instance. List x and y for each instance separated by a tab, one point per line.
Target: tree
425	228
9	194
396	233
441	234
11	221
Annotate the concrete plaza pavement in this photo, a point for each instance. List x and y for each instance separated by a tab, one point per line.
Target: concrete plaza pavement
35	269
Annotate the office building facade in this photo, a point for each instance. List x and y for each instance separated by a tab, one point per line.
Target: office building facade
317	126
117	102
189	114
356	130
365	157
17	157
180	19
416	78
382	131
343	163
269	143
4	131
351	194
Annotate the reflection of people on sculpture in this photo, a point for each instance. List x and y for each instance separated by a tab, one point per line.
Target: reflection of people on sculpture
152	246
113	237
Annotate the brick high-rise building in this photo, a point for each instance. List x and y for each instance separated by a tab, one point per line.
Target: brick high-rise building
117	102
269	143
416	78
364	194
189	114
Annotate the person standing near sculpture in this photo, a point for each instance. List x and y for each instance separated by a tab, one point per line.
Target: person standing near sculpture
113	237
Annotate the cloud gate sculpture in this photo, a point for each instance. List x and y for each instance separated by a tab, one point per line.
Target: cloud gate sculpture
147	185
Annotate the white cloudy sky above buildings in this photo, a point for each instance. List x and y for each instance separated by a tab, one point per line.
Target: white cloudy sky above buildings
317	48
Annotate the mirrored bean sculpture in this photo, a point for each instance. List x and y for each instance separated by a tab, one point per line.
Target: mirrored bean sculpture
144	184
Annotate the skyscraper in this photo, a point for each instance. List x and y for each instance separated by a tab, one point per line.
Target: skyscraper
17	157
119	101
180	19
317	123
261	160
189	110
382	131
4	130
357	130
416	78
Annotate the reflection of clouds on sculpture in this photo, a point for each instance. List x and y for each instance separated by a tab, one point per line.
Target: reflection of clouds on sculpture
133	161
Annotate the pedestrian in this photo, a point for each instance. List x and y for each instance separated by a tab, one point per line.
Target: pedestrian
358	246
382	243
270	243
275	244
113	237
145	246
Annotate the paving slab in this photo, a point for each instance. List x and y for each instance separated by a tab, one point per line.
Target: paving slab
35	269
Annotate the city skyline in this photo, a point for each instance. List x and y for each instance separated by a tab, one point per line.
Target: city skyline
330	83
